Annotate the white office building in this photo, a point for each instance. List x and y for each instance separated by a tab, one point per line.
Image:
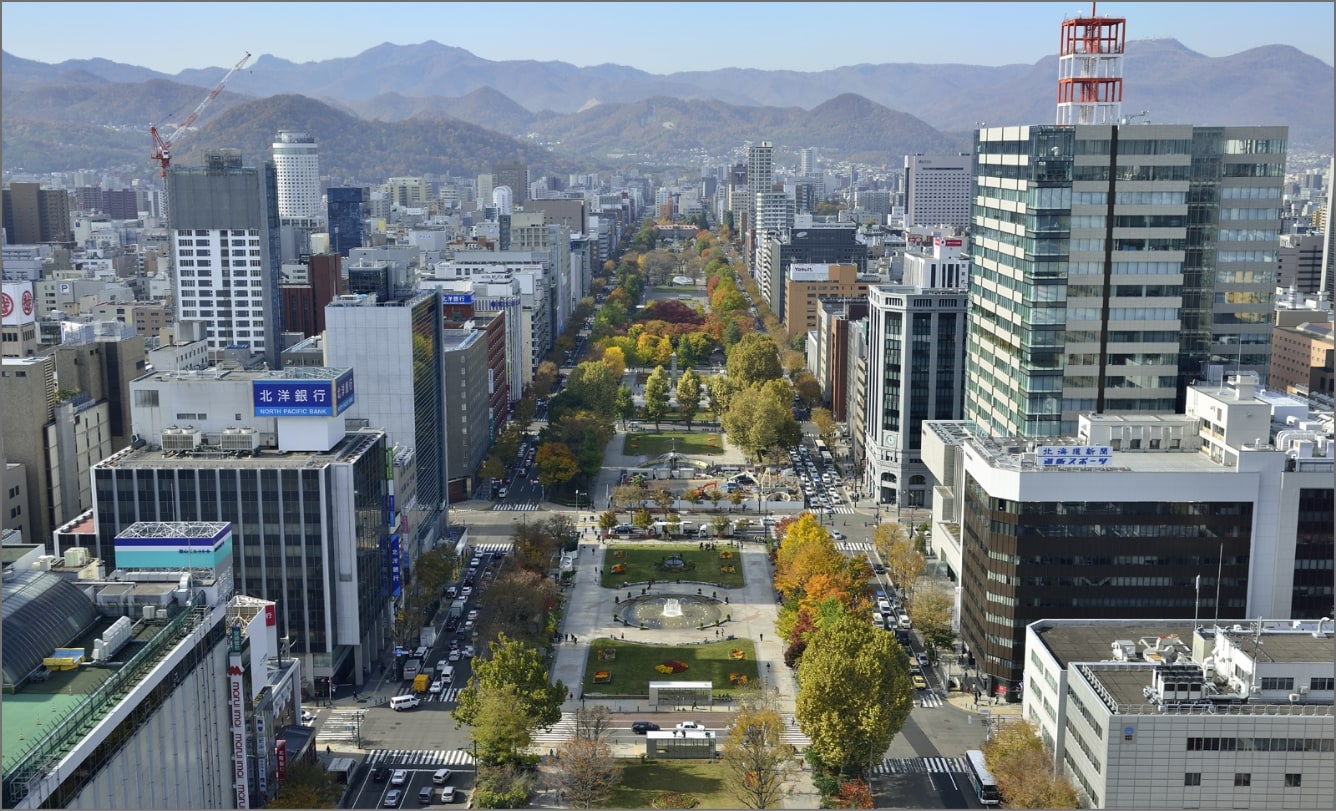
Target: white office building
297	161
937	189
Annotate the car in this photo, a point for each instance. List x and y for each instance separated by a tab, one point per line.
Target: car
837	535
467	652
448	794
878	568
473	614
436	686
468	626
451	623
690	725
923	661
399	777
454	655
424	795
307	717
451	592
441	777
503	492
466	592
919	682
641	727
381	774
392	798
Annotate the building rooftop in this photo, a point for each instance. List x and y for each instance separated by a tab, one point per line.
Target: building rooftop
352	445
1092	640
217	373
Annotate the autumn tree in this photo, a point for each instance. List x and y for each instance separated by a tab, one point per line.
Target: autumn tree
824	422
854	692
1024	769
688	396
756	422
492	467
904	564
586	772
544	378
753	360
517	605
607	520
756	759
556	463
656	396
930	611
615	360
721	391
592	386
513	664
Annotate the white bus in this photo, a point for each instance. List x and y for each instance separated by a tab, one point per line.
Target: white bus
982	779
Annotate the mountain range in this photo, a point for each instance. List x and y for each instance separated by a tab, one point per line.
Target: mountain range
424	107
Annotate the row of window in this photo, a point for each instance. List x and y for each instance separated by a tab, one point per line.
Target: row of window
1250	193
1211	744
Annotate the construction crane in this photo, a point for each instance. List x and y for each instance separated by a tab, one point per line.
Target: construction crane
162	147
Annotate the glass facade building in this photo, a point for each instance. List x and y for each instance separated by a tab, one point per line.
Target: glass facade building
344	209
1113	266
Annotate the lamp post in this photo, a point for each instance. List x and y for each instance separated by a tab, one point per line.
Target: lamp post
577	501
474	748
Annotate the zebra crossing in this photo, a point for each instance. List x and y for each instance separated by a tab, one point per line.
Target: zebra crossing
928	699
516	506
502	549
560	732
339	727
920	765
854	546
448	696
792	735
842	509
420	758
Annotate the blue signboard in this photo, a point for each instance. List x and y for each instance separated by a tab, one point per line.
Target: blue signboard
457	298
303	398
396	573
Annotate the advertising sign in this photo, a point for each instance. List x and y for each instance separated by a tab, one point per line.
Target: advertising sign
281	758
237	708
261	759
396	575
17	305
278	397
457	298
1074	455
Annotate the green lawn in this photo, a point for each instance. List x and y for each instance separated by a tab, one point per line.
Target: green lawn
632	666
655	444
702	565
642	782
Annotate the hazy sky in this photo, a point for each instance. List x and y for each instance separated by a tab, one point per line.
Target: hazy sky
655	37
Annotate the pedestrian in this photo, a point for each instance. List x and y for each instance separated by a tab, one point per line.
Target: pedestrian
762	638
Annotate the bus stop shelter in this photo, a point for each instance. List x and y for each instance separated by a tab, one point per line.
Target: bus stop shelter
681	693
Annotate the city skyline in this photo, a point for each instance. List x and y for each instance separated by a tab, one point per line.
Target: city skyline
998	33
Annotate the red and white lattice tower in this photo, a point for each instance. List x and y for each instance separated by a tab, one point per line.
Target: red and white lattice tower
1090	69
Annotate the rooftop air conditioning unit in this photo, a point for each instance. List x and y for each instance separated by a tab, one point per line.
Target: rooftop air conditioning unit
76	556
181	439
240	439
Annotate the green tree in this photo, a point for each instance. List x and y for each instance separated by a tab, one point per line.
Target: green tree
756	759
854	692
503	731
721	393
688	396
592	385
556	463
625	404
732	335
492	467
756	422
753	360
308	785
521	667
656	396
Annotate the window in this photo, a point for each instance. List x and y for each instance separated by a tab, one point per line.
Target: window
1293	780
1192	778
1243	778
1277	683
1321	683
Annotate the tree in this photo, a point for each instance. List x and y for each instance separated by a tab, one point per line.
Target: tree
518	605
544	378
720	525
735	497
825	423
503	730
615	360
556	463
593	723
756	758
756	422
607	520
663	497
753	360
1024	770
586	772
507	786
592	385
492	467
807	387
520	666
930	611
625	406
714	496
904	564
642	518
854	694
721	393
656	396
688	396
307	785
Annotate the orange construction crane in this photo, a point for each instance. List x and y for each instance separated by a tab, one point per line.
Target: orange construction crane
162	147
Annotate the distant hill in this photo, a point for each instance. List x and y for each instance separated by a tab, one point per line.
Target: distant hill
875	112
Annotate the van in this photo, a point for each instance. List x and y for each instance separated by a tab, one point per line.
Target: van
903	622
877	620
448	674
404	702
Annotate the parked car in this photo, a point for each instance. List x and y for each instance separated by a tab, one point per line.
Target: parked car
392	798
424	795
399	777
641	727
381	774
441	777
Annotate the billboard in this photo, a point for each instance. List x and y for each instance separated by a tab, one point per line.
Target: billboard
281	397
1074	455
17	305
457	298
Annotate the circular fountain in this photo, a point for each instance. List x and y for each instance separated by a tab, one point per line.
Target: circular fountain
671	611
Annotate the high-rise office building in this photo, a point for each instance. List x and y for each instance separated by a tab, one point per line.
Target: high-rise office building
316	282
937	190
807	161
225	241
344	219
515	175
1143	260
297	161
33	215
760	177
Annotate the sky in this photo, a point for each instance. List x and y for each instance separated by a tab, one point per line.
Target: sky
654	37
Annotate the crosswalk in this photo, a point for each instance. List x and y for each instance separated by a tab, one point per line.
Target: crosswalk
339	727
420	758
560	732
792	734
516	506
854	546
502	549
920	765
929	699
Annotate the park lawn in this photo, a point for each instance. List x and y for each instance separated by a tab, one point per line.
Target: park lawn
656	444
632	667
705	780
702	565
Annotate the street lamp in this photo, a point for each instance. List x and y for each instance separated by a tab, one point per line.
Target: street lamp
577	501
475	753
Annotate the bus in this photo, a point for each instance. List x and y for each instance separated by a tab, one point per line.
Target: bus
982	779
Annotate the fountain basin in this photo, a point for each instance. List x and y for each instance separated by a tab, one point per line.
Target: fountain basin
671	611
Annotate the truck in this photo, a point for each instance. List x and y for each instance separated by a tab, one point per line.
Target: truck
412	667
427	637
421	682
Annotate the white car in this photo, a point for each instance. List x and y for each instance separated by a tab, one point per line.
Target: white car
307	717
689	725
466	592
436	686
837	535
473	614
454	655
399	777
468	652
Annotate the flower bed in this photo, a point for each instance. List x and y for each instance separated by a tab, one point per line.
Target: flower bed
726	554
619	553
602	676
727	569
737	654
671	667
619	568
607	654
737	679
